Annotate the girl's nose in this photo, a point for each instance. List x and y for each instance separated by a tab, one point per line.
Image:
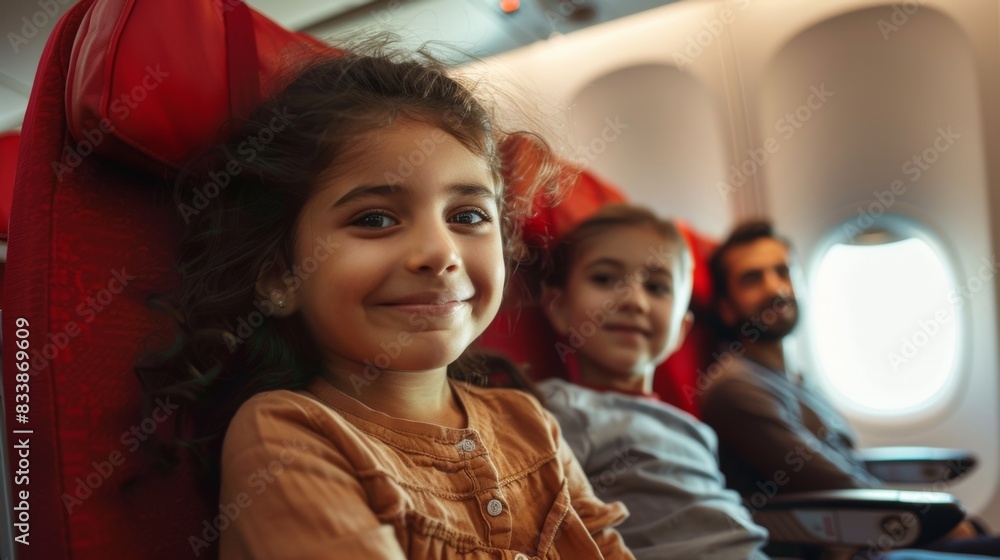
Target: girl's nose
636	299
432	249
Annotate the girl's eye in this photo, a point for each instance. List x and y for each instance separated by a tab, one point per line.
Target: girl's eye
658	289
471	217
375	220
604	280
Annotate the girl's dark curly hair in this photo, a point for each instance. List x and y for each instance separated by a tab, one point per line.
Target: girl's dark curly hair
240	203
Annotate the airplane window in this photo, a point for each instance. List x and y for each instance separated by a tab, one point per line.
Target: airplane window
885	327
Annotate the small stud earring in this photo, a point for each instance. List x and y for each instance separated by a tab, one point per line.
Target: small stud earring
276	298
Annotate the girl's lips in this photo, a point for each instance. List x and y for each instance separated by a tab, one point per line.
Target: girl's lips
624	329
434	303
435	309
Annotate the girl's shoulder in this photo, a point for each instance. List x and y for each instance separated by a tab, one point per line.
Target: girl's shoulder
282	411
506	409
280	400
500	396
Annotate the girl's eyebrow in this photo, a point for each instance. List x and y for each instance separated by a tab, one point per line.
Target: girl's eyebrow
367	191
619	264
478	191
363	191
606	261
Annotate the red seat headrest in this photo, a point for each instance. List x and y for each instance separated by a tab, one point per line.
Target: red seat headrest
9	142
150	82
552	218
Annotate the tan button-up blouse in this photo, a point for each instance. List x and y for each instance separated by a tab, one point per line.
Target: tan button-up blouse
317	474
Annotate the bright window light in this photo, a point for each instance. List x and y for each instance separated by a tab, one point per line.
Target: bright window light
885	330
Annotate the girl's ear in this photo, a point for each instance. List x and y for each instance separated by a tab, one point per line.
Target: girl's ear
553	304
686	323
677	337
271	288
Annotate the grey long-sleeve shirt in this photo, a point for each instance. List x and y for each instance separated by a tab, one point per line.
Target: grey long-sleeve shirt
778	436
661	462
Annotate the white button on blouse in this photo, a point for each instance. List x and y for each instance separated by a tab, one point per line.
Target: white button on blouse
494	508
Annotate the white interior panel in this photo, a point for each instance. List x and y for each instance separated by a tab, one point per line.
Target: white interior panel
671	154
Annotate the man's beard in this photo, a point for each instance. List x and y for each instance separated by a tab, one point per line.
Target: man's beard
783	323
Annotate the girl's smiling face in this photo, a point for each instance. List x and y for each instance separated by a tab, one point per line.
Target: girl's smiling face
617	307
409	260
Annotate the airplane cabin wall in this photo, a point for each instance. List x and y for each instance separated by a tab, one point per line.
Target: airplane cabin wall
891	92
721	110
612	94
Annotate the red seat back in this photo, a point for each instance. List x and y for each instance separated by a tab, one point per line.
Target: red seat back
84	253
9	142
91	238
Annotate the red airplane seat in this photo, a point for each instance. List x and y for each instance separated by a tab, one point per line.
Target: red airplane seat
9	142
676	380
89	242
521	331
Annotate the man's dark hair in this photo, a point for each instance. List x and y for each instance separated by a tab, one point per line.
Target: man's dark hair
742	234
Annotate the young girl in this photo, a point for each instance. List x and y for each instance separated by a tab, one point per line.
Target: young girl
618	294
340	276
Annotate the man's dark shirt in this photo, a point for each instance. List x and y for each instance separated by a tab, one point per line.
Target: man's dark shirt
777	435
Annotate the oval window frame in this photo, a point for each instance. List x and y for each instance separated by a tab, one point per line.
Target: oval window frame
933	408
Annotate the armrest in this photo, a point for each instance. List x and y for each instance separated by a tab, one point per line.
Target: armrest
884	519
917	464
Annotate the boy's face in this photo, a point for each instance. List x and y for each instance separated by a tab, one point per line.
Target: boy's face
413	268
617	308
